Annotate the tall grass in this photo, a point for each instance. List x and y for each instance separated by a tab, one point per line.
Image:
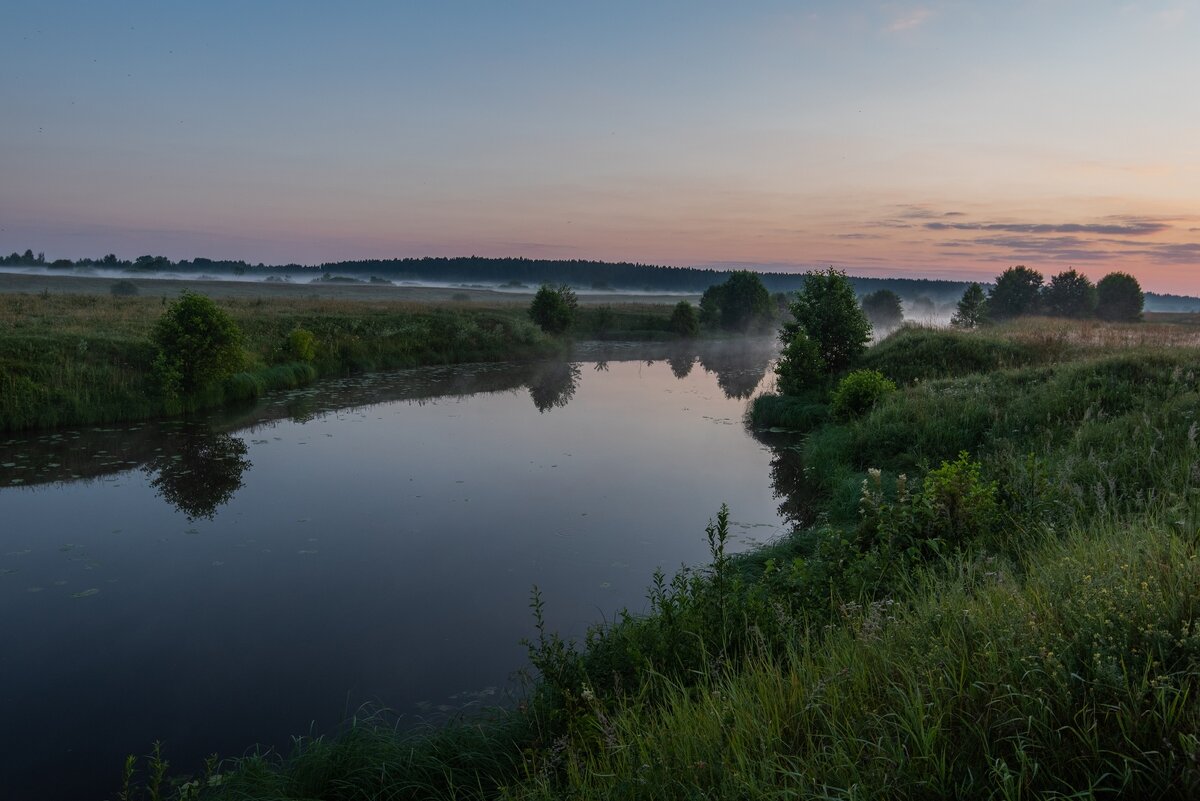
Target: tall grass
1069	674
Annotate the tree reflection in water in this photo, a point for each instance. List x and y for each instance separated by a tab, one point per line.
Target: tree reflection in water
789	484
201	473
739	367
553	384
681	362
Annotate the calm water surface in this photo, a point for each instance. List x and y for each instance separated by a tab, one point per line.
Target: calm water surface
374	540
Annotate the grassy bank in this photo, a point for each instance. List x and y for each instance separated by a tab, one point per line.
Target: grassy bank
70	359
998	599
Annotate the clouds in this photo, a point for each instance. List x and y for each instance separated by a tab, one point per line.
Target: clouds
1118	229
909	19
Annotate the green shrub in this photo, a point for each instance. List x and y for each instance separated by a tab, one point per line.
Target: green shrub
958	505
198	345
301	345
123	289
858	393
684	320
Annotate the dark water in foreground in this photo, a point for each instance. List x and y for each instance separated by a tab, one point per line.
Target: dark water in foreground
371	540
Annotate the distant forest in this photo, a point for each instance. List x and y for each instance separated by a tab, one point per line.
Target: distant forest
585	275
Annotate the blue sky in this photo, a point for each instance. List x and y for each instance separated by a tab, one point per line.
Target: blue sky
935	138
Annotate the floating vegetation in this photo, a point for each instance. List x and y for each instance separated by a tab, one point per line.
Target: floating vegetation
86	593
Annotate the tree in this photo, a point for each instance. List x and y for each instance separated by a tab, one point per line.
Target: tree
972	308
1119	298
800	365
1017	292
684	320
883	309
553	309
1069	294
738	303
828	312
198	345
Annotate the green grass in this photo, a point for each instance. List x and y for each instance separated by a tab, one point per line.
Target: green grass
1070	673
1049	649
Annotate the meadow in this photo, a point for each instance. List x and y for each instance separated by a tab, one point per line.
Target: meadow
996	597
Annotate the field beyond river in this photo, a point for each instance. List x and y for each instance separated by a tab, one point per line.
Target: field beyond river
71	353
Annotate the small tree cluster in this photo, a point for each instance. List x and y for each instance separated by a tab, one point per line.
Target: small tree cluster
1020	291
738	304
883	309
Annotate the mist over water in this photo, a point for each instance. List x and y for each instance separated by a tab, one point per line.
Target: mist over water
264	572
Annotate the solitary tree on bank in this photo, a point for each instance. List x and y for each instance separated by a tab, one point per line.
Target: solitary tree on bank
553	309
972	308
827	311
1119	298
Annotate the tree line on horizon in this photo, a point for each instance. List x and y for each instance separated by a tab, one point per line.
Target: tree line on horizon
580	274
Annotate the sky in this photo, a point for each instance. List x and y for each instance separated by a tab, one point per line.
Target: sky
933	139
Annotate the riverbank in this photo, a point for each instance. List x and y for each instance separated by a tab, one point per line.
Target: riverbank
69	359
997	596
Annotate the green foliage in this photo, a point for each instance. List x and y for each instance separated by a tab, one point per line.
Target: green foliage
738	304
123	289
1069	294
1119	298
197	344
684	320
553	308
800	366
883	309
301	345
828	312
797	413
919	354
958	504
1017	292
858	392
972	308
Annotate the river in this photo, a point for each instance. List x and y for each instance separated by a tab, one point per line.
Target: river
362	543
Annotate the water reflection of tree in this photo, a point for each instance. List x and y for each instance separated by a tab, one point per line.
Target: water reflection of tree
201	473
681	363
553	384
738	369
790	485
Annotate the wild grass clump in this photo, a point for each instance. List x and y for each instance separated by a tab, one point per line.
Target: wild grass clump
921	353
794	412
465	759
